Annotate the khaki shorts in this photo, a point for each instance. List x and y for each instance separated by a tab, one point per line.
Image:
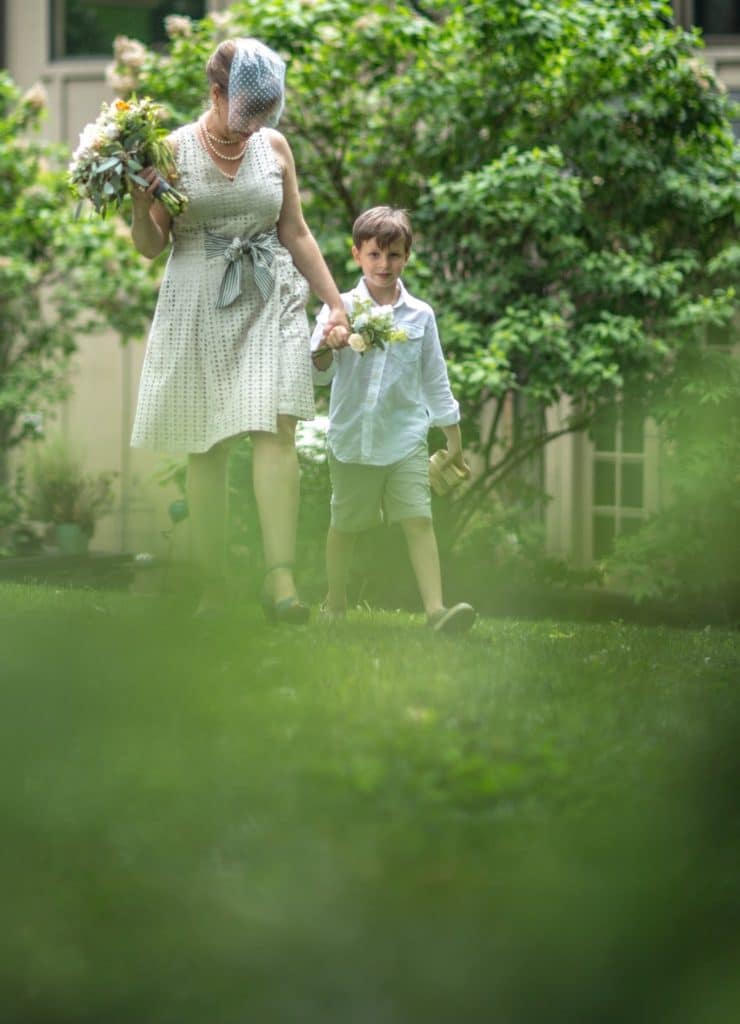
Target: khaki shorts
365	496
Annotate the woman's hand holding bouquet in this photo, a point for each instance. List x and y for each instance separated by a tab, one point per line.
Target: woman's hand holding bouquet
116	153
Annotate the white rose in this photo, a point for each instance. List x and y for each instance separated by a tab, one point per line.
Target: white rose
88	138
357	343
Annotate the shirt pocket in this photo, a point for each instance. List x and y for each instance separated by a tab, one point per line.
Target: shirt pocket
408	351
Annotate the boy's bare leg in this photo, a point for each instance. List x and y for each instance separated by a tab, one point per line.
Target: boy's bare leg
208	505
339	548
424	555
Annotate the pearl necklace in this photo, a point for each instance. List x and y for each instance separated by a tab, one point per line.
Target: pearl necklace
215	152
222	156
215	138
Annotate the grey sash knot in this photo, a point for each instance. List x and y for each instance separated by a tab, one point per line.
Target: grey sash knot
261	250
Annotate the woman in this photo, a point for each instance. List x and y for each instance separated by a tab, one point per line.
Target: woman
228	352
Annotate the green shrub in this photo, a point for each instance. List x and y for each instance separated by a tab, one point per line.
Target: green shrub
689	550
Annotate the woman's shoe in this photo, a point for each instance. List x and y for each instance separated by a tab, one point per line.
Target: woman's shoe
290	611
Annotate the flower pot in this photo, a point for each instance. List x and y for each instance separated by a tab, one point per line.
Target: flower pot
71	539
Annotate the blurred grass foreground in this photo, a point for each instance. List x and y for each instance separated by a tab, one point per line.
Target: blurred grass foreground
364	824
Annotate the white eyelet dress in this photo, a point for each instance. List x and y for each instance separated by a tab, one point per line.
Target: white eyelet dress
211	373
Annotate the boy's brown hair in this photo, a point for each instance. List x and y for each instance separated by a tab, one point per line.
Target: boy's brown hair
385	224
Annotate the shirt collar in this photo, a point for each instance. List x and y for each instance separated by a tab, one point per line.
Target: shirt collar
403	295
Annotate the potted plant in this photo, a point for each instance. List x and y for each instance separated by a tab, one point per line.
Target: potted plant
63	495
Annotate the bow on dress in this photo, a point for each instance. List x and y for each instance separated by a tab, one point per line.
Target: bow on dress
260	248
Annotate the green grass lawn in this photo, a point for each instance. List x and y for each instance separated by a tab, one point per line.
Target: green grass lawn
364	824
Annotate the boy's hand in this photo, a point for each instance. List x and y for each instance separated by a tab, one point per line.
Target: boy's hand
454	454
456	459
335	335
336	331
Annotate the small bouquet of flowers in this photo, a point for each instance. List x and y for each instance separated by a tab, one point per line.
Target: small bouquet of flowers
371	326
126	137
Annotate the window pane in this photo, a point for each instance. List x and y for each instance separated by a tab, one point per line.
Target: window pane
604	430
630	524
631	496
717	17
605	483
603	535
87	28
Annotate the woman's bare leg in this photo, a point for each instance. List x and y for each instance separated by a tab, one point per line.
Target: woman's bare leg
277	490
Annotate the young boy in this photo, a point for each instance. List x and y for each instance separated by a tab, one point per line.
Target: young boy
382	405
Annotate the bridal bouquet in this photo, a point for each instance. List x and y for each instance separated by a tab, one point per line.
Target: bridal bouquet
370	326
126	137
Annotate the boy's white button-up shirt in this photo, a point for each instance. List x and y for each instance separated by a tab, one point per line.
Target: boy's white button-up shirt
384	402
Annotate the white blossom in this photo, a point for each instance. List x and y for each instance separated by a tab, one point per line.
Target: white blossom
120	83
129	52
36	97
178	25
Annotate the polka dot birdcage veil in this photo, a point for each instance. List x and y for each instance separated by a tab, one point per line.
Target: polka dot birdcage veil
256	86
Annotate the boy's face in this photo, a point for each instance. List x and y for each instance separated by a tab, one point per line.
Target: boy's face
381	268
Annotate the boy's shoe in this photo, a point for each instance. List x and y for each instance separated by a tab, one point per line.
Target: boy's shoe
457	619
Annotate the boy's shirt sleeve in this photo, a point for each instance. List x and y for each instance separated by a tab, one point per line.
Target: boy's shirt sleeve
322	377
443	408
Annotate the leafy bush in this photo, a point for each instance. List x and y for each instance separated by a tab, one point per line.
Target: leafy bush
689	550
60	277
60	491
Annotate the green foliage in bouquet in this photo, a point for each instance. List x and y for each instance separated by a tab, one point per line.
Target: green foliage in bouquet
126	137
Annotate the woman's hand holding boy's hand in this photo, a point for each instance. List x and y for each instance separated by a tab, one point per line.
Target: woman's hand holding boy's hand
336	332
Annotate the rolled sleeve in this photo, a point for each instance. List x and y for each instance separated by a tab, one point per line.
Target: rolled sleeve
444	410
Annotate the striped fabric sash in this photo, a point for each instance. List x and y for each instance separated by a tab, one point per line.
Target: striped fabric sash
260	248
